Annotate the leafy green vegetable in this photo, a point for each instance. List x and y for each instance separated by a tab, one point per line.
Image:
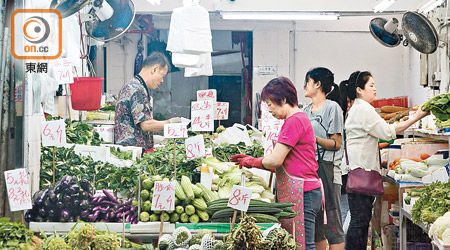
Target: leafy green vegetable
440	107
14	234
434	201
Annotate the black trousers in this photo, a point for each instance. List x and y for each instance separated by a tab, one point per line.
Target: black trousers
361	214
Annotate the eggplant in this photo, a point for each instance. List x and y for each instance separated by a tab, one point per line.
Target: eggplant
65	214
51	213
74	189
43	197
29	216
51	195
71	219
85	212
77	218
38	219
132	208
110	196
67	198
59	204
84	204
76	203
58	189
42	212
65	181
83	195
85	185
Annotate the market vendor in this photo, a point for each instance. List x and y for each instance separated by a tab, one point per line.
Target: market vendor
294	160
134	124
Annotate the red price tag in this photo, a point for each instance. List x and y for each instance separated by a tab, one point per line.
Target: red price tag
163	196
222	109
202	116
175	130
240	198
18	188
207	94
195	147
54	133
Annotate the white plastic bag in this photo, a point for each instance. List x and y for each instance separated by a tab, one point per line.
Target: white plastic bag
233	135
204	70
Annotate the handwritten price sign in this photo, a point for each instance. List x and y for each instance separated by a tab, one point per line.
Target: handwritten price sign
240	198
195	147
19	191
202	115
62	71
175	130
54	133
269	141
268	122
207	94
222	109
164	196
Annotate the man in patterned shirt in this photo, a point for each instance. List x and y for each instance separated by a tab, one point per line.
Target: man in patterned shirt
134	124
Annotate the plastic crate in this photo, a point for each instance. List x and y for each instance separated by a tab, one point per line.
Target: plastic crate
399	101
86	93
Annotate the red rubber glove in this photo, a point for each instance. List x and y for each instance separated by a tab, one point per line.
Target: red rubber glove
248	161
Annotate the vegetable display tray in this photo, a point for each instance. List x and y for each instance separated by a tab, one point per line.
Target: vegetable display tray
64	227
218	227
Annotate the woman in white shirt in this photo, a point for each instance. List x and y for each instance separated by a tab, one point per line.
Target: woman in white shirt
364	127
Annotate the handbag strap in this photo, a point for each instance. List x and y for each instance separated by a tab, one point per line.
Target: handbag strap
346	154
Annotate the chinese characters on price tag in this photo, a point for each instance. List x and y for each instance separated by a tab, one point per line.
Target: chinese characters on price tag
18	188
202	115
54	133
270	140
240	198
207	94
175	130
195	147
163	196
222	109
268	122
62	71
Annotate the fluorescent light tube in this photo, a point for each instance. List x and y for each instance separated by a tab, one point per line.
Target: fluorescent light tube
430	5
383	5
278	15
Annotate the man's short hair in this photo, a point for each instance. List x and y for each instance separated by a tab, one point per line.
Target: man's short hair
156	58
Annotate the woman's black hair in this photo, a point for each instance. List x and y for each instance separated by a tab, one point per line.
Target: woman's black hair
324	75
334	94
357	79
343	89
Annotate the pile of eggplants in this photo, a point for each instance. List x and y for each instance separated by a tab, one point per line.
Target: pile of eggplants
69	200
108	209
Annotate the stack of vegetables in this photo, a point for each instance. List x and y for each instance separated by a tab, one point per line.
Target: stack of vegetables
190	201
412	170
228	174
263	212
394	114
87	237
225	151
440	108
103	175
71	200
16	236
67	201
433	202
441	229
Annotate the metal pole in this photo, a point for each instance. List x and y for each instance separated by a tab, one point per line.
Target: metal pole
3	64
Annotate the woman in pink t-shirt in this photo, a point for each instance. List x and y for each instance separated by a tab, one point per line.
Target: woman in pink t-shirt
293	159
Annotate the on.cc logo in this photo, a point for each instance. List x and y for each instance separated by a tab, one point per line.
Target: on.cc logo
36	29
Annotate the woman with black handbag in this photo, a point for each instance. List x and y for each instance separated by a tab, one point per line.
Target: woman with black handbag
363	128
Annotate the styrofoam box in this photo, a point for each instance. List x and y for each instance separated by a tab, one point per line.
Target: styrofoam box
137	151
151	227
98	153
63	227
106	132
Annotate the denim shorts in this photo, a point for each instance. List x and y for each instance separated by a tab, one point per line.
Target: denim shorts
312	205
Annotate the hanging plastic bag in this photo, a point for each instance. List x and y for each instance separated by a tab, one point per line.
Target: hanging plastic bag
233	135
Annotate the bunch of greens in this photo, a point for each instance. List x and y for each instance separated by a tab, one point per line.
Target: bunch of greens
440	107
125	155
14	235
434	201
79	132
102	175
280	239
225	151
246	235
161	162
